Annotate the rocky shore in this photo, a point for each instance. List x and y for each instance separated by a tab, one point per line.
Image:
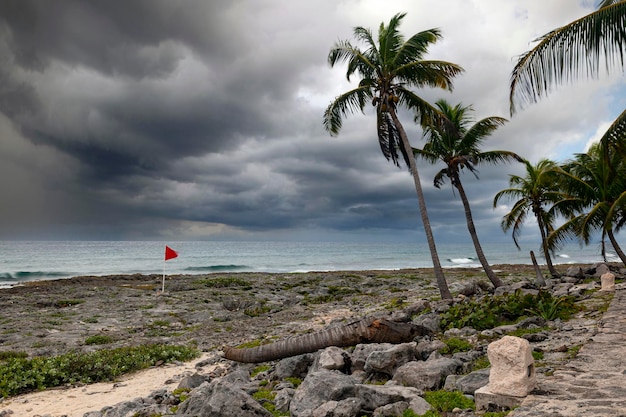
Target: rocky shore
213	311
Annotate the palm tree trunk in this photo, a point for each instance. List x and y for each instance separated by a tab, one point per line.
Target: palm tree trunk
472	231
544	246
368	330
439	275
616	246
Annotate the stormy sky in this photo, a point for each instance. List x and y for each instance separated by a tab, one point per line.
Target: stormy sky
194	120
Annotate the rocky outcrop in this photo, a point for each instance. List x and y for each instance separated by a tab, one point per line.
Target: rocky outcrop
377	379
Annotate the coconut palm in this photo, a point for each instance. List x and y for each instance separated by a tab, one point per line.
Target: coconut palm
536	192
388	68
457	144
598	198
570	51
368	330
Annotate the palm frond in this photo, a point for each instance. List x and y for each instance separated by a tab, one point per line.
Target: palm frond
389	138
496	157
440	178
416	47
569	52
615	135
358	61
344	105
436	74
483	128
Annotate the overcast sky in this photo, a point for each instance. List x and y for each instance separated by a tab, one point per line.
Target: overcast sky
187	120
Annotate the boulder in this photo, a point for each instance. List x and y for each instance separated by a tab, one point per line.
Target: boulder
467	384
387	361
362	351
350	407
375	396
293	367
512	367
608	281
427	375
221	398
318	388
332	358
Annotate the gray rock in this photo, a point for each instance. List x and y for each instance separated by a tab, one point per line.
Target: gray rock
391	410
465	331
283	399
425	348
600	269
427	375
332	358
387	361
375	396
320	387
469	383
349	407
193	381
293	367
575	272
221	399
431	321
417	307
362	351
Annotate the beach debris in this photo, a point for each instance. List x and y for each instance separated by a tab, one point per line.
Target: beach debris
368	330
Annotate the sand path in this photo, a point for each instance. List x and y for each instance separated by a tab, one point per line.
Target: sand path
75	402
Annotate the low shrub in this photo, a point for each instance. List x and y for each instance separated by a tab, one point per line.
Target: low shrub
20	375
489	312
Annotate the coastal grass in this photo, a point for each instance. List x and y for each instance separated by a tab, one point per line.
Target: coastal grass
19	375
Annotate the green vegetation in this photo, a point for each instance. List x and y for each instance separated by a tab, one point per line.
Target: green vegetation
67	303
99	339
258	370
266	398
19	375
445	401
224	282
454	345
257	310
6	355
489	312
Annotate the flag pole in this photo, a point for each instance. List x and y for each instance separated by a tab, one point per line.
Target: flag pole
169	254
163	286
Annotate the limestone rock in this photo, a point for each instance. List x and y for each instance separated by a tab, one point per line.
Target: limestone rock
221	399
512	367
387	361
362	351
427	375
318	388
608	281
332	358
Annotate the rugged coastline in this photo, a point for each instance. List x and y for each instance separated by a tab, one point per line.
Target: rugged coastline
212	311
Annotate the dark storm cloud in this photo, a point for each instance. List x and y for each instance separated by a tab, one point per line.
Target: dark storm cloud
195	119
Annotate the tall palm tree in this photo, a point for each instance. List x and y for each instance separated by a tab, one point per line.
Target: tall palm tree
575	49
387	68
536	192
598	199
457	144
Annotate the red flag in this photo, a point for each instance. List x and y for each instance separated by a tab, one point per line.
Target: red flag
170	253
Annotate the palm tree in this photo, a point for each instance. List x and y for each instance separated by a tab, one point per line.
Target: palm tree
598	201
387	69
457	145
570	51
368	330
536	191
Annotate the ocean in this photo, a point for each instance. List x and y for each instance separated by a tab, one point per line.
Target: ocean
39	260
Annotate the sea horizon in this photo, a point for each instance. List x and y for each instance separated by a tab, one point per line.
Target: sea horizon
23	261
